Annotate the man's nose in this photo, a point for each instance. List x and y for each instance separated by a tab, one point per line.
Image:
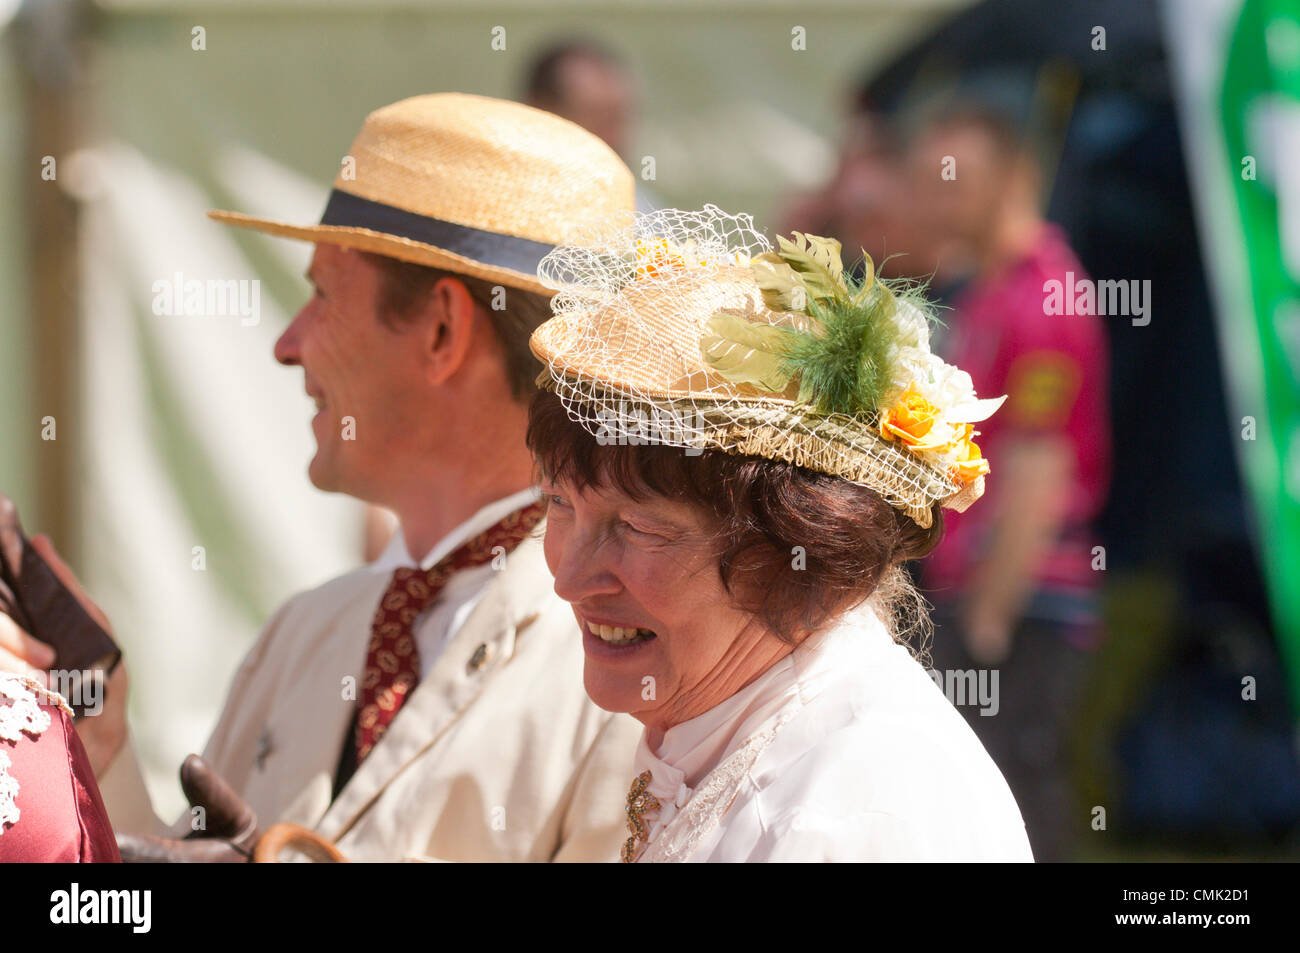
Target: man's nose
287	346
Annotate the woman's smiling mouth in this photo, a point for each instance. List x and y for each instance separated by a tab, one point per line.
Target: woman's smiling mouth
620	635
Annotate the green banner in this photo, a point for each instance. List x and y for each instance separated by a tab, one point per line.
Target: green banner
1258	111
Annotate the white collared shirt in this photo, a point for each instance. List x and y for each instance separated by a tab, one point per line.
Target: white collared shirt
436	626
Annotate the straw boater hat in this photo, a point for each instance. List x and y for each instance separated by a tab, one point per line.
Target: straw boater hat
478	186
688	329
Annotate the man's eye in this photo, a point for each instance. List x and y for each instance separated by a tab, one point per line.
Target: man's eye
553	499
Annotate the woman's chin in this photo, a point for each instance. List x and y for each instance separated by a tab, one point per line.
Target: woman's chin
610	691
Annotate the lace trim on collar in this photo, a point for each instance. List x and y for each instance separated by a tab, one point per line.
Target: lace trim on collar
711	800
21	713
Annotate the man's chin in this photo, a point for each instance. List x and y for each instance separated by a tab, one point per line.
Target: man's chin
324	475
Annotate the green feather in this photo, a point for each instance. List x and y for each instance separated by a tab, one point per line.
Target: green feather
844	364
747	353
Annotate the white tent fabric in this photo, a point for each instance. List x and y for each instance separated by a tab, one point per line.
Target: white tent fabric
196	438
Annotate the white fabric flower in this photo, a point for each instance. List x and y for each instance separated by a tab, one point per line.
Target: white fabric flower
947	387
912	325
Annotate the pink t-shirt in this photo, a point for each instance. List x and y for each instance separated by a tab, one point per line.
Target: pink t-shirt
1053	366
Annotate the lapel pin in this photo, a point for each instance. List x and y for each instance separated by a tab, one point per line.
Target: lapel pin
264	749
479	658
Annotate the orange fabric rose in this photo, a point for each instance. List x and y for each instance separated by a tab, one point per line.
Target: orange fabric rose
970	462
910	420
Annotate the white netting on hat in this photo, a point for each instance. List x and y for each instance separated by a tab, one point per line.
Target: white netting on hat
624	355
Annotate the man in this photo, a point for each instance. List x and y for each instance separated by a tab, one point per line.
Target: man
1013	581
587	84
429	704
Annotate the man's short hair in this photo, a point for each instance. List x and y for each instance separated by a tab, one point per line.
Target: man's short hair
995	123
404	285
542	82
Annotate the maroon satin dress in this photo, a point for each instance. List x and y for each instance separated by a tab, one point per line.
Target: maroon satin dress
62	816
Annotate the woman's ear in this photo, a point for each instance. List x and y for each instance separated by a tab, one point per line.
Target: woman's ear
453	323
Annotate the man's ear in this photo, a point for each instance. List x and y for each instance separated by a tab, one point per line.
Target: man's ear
452	329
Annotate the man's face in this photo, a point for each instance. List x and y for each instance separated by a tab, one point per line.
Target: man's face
367	380
958	178
598	97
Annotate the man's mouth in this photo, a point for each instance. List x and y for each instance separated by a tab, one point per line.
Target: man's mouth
620	635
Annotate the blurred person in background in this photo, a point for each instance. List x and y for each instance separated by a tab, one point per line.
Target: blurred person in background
429	704
857	204
867	205
587	84
1014	581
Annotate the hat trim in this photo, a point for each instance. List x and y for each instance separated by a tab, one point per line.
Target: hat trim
391	246
824	444
346	210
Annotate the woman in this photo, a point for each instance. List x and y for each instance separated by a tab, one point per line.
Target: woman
740	448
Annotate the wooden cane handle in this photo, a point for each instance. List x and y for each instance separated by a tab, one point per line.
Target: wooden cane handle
280	836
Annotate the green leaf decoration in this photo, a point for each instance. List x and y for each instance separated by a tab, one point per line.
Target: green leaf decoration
748	353
810	262
783	289
816	258
859	297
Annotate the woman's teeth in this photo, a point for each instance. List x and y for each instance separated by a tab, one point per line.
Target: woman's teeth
618	635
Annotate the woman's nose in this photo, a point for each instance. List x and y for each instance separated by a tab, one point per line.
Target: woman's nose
584	570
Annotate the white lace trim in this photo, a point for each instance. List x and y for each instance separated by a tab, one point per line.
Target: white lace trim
712	798
21	713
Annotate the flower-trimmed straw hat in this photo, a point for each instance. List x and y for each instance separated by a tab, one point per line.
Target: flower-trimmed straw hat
688	329
478	186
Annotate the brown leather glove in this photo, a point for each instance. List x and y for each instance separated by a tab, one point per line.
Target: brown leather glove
34	597
229	836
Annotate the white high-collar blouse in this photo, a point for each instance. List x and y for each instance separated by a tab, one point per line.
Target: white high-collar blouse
845	750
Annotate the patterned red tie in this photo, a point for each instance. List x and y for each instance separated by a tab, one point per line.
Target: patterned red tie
392	660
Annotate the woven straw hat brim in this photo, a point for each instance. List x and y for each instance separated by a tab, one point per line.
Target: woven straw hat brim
777	430
405	249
